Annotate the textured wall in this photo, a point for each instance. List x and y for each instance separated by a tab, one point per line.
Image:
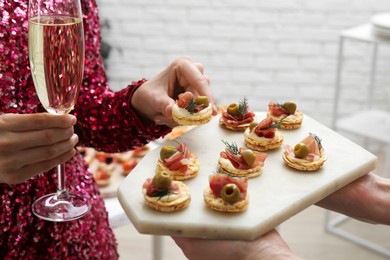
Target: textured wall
265	50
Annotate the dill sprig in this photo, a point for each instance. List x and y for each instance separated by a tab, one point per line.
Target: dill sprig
219	170
318	140
178	144
162	193
276	124
191	106
231	147
242	107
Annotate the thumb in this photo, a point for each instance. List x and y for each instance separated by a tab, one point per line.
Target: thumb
168	109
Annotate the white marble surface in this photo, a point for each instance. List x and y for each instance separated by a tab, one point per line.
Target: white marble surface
278	194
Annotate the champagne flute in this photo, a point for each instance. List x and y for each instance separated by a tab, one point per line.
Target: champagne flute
56	52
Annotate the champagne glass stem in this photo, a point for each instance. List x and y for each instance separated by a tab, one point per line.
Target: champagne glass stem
61	186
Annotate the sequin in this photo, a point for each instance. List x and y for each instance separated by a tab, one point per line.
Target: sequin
105	121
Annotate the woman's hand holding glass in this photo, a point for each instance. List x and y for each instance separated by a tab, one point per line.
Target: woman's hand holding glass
34	143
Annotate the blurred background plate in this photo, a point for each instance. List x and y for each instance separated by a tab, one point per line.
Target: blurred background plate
381	20
384	33
381	24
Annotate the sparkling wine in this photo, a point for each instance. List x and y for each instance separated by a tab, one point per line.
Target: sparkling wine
56	51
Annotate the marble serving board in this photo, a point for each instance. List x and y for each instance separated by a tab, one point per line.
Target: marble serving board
276	195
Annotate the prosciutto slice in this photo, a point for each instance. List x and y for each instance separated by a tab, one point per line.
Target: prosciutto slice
314	149
180	160
238	161
219	180
264	129
277	110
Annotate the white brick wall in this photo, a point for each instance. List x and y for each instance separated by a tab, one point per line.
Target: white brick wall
263	49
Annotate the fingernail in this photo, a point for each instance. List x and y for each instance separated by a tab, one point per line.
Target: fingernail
72	119
74	139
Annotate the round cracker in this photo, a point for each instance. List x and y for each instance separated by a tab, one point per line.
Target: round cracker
192	171
229	169
303	166
264	144
181	202
234	128
220	205
192	119
290	122
102	183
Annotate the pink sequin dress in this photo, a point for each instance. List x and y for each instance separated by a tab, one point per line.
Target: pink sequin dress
105	121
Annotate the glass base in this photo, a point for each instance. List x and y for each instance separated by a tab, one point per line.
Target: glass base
60	208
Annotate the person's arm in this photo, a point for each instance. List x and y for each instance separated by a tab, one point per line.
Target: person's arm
270	246
366	199
107	122
105	119
119	121
142	112
34	143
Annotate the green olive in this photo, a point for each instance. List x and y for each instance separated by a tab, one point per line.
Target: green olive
249	156
162	180
290	107
301	150
202	100
167	151
252	125
230	193
232	109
